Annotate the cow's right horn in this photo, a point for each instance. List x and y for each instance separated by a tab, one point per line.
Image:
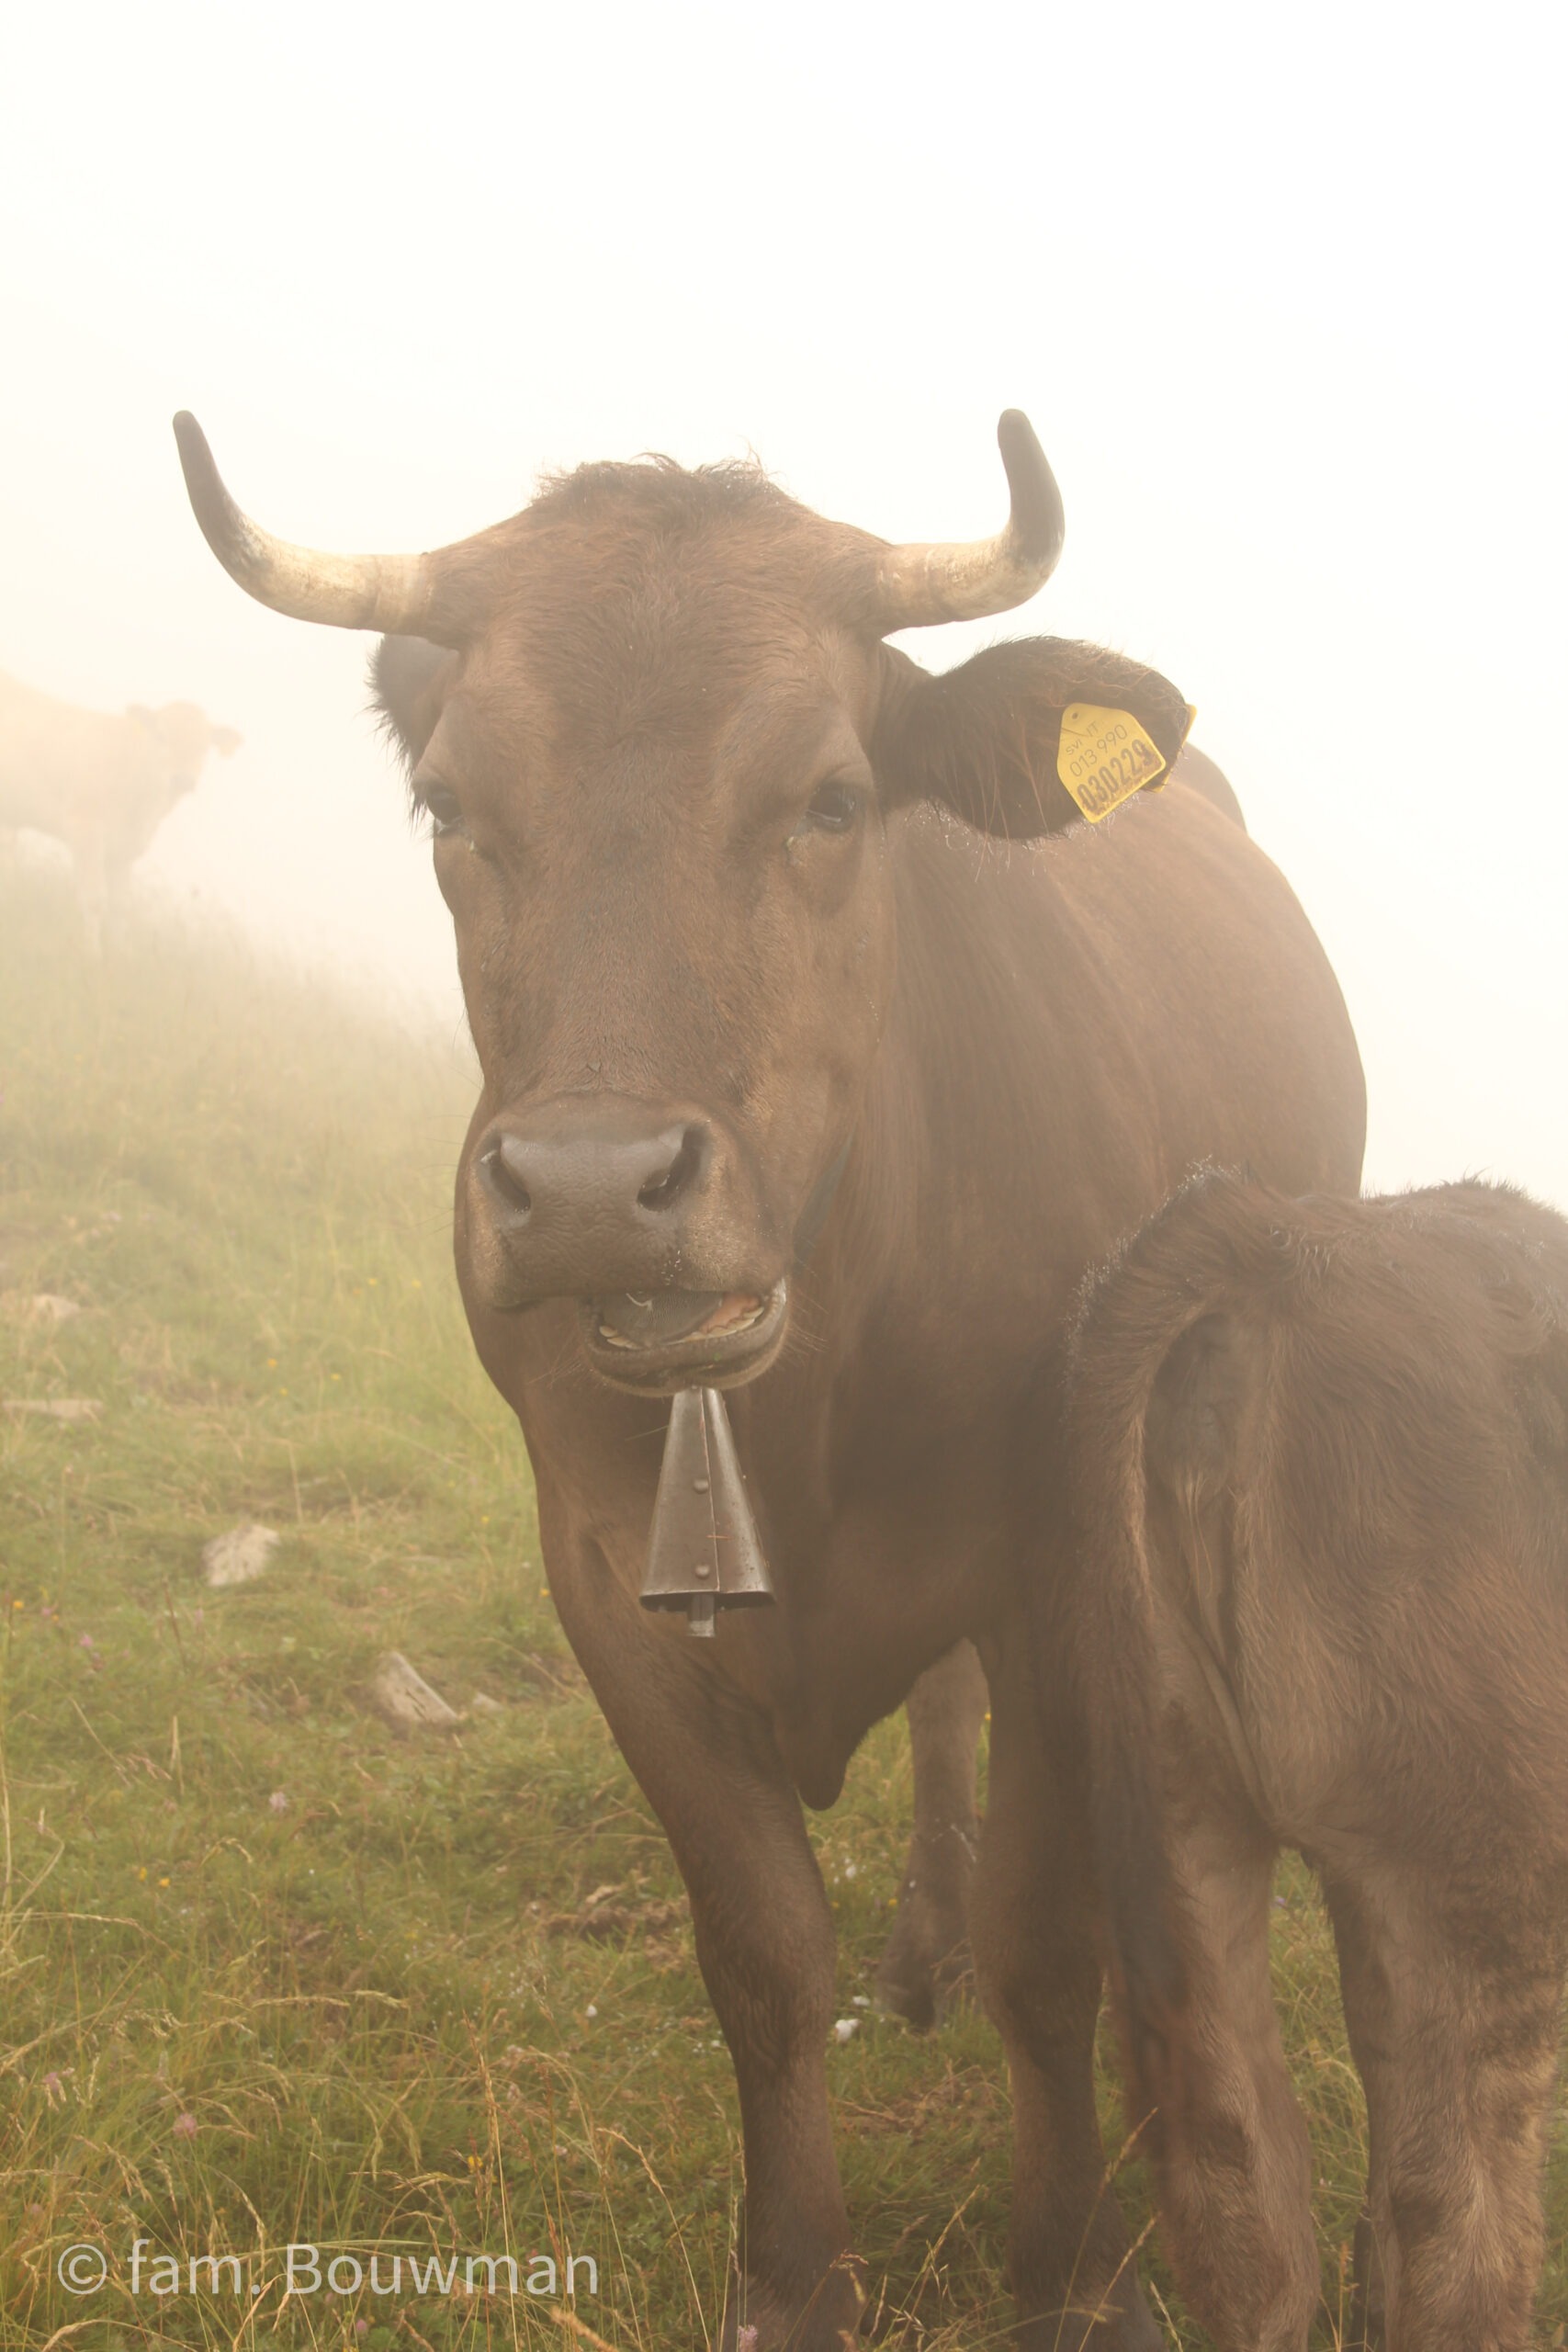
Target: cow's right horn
396	593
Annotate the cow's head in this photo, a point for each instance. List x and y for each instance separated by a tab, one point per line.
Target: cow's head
659	742
181	737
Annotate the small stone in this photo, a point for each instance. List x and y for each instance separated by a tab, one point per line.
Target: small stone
44	1307
56	1408
845	2028
240	1555
405	1697
481	1703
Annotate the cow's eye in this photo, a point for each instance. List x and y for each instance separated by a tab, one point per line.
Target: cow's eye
833	809
446	809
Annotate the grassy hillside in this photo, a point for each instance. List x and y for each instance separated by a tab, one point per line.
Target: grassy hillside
269	1970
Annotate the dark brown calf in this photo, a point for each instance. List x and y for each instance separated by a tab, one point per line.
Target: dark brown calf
1319	1464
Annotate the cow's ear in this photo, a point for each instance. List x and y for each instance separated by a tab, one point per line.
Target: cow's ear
983	739
226	741
407	681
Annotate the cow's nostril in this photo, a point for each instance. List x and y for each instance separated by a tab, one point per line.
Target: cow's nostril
664	1189
506	1173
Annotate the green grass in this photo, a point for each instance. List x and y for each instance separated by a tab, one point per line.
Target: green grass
270	1971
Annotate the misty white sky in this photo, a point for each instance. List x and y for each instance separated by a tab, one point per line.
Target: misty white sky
1283	291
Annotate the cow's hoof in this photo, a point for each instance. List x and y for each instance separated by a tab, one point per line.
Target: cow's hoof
926	1965
758	2320
1130	2328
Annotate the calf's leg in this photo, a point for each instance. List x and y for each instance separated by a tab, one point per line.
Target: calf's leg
1233	2161
927	1957
1363	1996
1455	2035
1033	1919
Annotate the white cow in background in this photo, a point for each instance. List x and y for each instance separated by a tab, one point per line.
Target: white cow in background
101	784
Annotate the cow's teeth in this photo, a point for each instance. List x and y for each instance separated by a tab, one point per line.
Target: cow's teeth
738	1318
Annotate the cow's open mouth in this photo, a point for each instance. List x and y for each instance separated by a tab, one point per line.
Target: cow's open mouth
684	1338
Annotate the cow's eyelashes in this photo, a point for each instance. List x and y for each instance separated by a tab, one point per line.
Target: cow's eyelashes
444	809
833	807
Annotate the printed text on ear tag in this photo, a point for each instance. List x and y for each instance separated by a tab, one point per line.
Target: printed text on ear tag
1104	757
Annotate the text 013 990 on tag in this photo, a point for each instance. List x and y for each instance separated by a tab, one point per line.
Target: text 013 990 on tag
1104	757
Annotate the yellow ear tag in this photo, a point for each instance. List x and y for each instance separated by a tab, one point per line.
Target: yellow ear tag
1104	757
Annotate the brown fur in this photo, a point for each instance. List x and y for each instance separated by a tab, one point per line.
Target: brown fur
1318	1457
1015	1049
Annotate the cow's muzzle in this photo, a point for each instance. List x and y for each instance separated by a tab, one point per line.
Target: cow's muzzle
643	1212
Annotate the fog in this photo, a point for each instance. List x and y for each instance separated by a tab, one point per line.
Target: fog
1280	290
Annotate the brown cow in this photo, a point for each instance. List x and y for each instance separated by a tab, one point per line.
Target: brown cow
101	784
1318	1492
806	1075
928	1959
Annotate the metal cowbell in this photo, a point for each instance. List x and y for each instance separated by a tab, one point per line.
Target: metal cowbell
704	1552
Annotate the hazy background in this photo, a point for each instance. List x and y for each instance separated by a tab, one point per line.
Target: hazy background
1282	291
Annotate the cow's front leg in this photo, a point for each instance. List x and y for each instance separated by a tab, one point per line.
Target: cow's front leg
116	917
927	1959
705	1757
92	892
1032	1914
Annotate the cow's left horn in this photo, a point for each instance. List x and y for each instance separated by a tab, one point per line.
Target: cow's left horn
959	581
393	593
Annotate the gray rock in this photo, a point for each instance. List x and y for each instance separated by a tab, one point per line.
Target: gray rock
240	1555
55	1409
405	1697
